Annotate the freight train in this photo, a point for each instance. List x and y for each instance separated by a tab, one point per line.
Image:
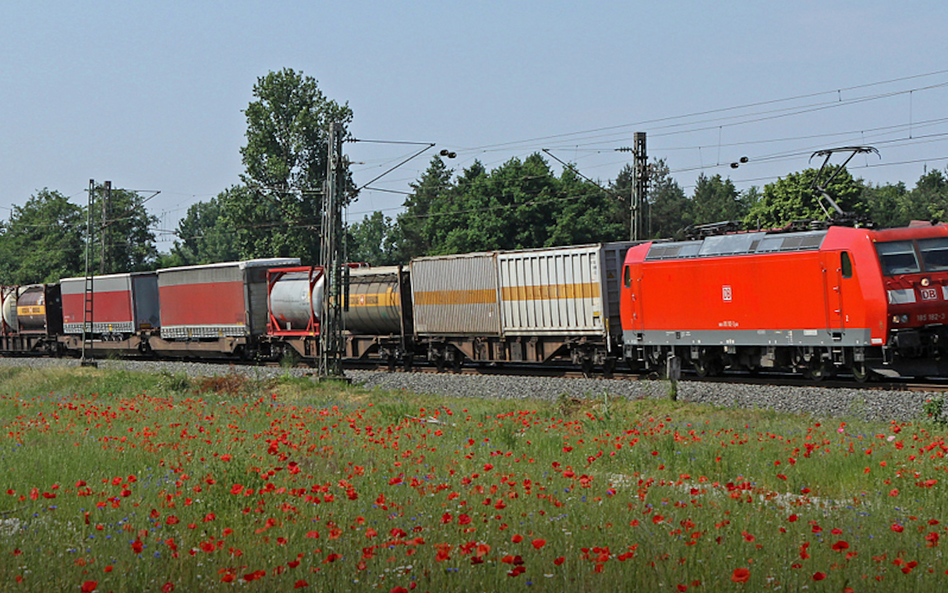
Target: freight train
835	299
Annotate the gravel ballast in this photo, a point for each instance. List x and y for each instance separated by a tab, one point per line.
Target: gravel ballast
853	402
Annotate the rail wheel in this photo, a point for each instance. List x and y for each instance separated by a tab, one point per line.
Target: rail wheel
457	363
817	370
587	367
861	373
392	362
707	367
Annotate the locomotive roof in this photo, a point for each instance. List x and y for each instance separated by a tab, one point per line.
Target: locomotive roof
738	244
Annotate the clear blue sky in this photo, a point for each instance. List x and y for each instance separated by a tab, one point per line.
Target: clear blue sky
150	95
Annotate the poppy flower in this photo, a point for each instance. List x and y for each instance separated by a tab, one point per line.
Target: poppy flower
840	546
538	543
740	575
89	586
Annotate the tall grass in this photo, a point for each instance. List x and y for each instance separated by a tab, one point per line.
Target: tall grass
117	481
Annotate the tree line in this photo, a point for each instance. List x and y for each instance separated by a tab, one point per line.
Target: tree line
275	209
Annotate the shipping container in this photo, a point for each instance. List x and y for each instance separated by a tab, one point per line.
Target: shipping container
216	300
456	295
566	291
121	303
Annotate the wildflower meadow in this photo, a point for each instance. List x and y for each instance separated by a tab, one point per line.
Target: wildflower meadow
114	481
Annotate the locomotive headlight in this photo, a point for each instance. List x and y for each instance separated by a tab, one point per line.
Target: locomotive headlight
905	319
926	281
895	319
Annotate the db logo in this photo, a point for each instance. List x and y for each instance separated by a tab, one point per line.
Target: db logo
929	294
726	293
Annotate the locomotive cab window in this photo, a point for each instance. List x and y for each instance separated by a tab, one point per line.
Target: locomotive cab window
897	257
627	277
846	265
934	253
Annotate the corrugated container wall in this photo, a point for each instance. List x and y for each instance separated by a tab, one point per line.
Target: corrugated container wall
564	291
456	295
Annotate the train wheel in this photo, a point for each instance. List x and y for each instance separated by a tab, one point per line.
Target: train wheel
587	367
608	367
392	363
457	363
861	373
816	371
439	364
408	361
707	367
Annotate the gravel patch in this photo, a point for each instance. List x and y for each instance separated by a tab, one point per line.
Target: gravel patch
817	401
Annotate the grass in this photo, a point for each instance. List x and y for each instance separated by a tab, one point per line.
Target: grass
116	481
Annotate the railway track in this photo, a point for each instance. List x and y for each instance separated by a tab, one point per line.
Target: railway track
769	379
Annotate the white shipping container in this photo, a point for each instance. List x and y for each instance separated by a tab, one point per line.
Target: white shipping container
570	291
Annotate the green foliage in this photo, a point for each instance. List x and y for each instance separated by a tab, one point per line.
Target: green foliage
716	200
42	241
371	241
204	234
934	410
792	198
670	211
126	231
285	160
520	204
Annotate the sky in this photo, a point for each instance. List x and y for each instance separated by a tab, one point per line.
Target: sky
150	95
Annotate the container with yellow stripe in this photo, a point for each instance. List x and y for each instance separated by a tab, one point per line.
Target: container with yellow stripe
456	295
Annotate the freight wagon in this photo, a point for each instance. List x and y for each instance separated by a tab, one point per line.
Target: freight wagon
125	312
532	306
376	316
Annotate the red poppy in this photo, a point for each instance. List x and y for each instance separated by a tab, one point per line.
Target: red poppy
897	528
300	584
740	575
517	538
538	543
559	561
819	576
840	546
89	586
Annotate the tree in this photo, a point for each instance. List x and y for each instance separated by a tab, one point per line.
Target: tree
127	232
204	235
370	241
285	162
411	234
888	205
669	210
929	198
42	242
793	198
716	200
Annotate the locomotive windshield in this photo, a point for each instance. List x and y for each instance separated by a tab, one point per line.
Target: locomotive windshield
897	257
934	253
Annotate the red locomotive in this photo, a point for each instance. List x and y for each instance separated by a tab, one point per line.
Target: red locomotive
853	299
